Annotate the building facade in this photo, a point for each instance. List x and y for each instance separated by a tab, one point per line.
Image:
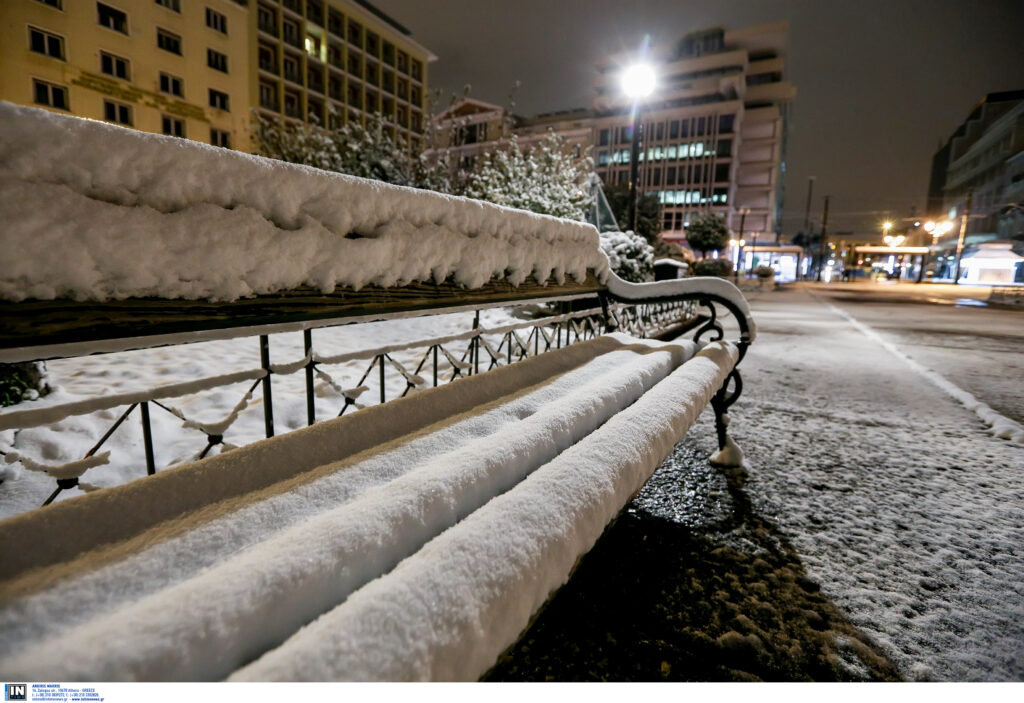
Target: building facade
714	134
335	61
198	68
984	157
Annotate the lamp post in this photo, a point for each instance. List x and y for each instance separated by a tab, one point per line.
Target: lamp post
744	211
638	83
936	229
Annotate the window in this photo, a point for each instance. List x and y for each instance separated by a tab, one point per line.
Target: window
721	173
673	129
218	99
417	69
268	96
114	66
602	138
403	62
216	21
268	58
315	11
291	33
45	43
50	94
267	19
217	60
112	18
291	104
355	34
724	147
725	123
335	22
174	126
171	85
292	69
389	53
168	41
117	113
372	43
57	4
219	137
174	5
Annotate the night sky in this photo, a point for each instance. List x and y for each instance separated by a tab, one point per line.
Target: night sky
879	83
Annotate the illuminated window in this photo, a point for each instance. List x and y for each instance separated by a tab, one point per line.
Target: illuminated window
216	60
168	41
45	43
172	126
114	66
50	95
117	113
112	18
172	85
219	100
216	21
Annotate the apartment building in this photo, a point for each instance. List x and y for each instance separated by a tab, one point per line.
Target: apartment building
197	68
334	61
175	67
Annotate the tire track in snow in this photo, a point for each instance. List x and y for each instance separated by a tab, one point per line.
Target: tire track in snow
999	425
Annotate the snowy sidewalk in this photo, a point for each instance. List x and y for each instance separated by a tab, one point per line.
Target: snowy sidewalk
878	518
901	504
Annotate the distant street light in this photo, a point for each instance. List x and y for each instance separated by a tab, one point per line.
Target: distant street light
936	229
638	82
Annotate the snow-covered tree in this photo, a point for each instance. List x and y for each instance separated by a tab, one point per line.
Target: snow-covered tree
629	254
547	179
367	152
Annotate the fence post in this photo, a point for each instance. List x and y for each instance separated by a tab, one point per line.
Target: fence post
268	401
147	439
307	338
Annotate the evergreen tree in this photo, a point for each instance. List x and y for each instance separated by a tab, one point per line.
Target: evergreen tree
648	211
707	232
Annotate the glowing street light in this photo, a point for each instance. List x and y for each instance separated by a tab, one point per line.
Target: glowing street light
638	82
936	229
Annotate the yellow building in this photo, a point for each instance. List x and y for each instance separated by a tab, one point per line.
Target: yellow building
198	68
336	61
167	66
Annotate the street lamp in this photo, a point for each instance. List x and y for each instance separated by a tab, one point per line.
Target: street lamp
744	211
936	229
638	82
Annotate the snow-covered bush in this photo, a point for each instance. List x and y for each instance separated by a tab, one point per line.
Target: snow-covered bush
631	257
546	179
764	272
25	381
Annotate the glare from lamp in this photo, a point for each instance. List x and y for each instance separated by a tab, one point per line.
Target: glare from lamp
638	81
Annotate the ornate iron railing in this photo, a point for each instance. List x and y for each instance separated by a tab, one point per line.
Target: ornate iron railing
443	360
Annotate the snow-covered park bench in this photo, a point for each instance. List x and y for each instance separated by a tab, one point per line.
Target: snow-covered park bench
413	539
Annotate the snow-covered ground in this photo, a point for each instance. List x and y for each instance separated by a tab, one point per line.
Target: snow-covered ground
82	378
900	501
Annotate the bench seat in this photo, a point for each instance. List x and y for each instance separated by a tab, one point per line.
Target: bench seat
410	541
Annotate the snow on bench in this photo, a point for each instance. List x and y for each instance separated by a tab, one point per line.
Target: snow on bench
411	540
